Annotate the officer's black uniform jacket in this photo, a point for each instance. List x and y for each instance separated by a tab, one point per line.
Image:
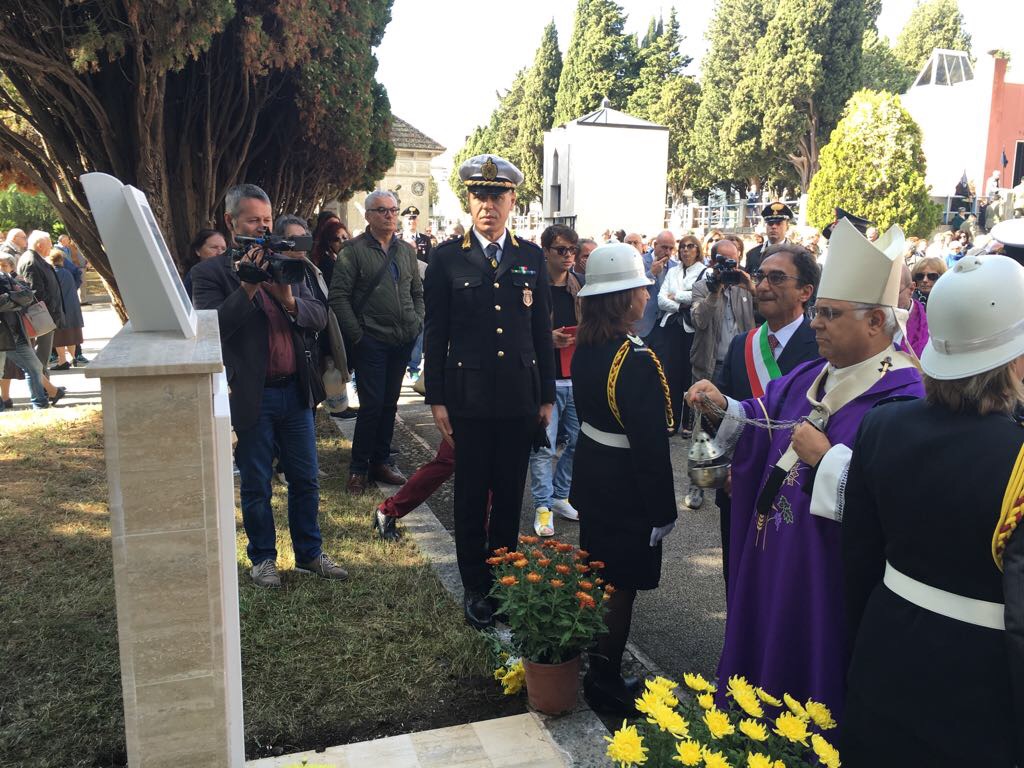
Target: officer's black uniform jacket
487	334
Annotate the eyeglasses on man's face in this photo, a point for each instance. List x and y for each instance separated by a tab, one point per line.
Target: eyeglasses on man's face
382	211
922	276
561	250
827	313
774	277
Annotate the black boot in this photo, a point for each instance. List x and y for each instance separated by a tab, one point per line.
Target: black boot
478	609
607	692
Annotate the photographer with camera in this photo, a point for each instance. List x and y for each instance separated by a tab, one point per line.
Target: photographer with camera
267	318
722	306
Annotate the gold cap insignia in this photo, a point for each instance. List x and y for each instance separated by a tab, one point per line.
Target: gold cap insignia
489	170
777	207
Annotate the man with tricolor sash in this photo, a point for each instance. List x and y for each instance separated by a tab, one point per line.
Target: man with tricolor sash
784	284
785	629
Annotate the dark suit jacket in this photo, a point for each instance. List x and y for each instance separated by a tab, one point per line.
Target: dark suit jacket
733	380
243	336
487	335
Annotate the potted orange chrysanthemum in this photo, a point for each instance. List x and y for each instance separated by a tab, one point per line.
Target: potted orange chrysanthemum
552	596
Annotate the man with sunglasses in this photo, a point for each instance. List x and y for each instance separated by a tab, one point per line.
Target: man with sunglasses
489	371
785	628
377	294
783	287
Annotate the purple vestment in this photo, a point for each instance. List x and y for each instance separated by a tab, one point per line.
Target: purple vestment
917	327
786	625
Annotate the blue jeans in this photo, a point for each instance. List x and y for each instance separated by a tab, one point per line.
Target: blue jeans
25	358
416	358
549	483
381	368
287	420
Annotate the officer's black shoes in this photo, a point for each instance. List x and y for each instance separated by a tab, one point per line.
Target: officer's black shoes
385	526
479	611
387	473
610	695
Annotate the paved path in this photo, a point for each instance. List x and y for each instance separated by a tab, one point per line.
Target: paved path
676	628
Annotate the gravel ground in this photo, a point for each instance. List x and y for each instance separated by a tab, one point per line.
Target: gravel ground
676	628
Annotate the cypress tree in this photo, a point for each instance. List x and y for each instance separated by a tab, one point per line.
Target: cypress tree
536	114
660	61
933	24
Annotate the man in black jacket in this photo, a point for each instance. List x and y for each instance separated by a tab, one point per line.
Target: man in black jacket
35	269
490	369
785	282
274	388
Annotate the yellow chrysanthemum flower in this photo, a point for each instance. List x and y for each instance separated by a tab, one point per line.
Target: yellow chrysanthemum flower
687	752
648	702
715	759
795	707
757	760
663	689
718	723
626	747
697	683
792	727
739	683
706	701
499	673
827	754
820	714
666	718
753	730
767	698
778	764
749	703
513	680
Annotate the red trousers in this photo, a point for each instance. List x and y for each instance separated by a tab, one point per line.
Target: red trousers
422	484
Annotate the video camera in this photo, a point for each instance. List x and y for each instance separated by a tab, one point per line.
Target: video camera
723	272
279	269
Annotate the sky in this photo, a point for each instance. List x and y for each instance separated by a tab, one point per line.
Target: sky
444	62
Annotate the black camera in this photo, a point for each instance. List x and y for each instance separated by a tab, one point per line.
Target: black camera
725	272
279	269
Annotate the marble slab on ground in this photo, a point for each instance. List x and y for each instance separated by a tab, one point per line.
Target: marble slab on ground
520	741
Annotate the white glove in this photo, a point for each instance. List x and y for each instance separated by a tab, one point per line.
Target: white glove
657	534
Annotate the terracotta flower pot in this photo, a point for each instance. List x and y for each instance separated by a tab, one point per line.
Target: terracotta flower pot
552	688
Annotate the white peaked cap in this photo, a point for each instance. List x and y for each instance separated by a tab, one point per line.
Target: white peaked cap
861	271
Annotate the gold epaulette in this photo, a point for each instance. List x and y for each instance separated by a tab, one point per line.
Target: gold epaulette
613	380
1012	510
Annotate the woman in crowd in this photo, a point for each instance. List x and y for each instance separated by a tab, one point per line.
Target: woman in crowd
674	298
327	246
622	484
207	244
926	273
69	335
934	571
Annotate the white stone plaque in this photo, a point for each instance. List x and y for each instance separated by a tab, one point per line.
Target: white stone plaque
151	288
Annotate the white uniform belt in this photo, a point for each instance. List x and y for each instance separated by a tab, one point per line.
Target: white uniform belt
611	439
953	606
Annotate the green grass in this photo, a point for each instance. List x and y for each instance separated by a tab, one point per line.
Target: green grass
323	663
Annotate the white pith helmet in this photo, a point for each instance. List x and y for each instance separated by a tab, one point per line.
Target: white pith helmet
975	318
614	267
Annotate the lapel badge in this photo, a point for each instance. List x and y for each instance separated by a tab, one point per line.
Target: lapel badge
527	296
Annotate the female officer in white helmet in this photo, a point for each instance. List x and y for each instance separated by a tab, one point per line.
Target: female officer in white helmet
934	563
622	479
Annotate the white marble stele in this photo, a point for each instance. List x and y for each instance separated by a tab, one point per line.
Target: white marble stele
167	435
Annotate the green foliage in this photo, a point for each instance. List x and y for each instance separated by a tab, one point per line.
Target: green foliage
660	61
538	109
880	68
721	153
477	143
28	212
874	166
933	24
676	108
793	88
601	61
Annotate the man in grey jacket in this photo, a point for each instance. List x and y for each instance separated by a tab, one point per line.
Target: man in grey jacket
377	294
36	270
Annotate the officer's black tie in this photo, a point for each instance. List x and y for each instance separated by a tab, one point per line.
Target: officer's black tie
492	254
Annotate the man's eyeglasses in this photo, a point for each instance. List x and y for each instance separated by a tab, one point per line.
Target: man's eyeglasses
384	211
826	313
919	276
561	250
775	278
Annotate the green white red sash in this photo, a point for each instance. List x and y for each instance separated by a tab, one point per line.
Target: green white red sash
761	364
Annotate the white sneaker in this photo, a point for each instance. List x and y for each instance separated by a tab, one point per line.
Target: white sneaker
695	498
544	522
564	509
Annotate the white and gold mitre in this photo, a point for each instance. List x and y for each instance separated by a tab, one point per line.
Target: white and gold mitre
860	270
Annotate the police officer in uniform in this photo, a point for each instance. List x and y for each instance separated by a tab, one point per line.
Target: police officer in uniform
417	239
776	217
490	379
